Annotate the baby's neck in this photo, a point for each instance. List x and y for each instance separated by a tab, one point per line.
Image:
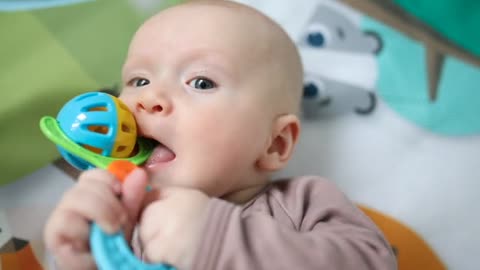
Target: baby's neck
244	195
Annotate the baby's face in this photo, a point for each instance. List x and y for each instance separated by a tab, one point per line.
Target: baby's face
196	81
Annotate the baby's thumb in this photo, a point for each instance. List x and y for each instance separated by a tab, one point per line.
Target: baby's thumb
133	193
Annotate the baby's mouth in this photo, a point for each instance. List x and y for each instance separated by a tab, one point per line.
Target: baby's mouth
160	154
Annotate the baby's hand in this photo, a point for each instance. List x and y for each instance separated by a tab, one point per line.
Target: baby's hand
171	226
93	198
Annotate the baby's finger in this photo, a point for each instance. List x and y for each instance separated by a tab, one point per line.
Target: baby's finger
104	193
96	176
76	233
97	205
133	193
104	196
154	223
154	252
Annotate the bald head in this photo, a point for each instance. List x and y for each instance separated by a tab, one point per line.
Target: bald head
219	84
265	53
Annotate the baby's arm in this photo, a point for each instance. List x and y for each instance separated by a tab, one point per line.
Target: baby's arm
305	224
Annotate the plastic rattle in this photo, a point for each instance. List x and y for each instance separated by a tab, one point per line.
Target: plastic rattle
97	130
99	122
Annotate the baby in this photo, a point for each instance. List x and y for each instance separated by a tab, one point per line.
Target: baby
218	85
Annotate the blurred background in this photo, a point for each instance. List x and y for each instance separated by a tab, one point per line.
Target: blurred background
51	51
391	109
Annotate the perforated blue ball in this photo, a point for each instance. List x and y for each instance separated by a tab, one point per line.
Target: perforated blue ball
90	120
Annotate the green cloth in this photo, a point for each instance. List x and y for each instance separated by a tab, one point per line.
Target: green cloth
47	57
457	20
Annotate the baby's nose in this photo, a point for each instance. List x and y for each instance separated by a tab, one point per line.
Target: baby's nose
151	109
154	104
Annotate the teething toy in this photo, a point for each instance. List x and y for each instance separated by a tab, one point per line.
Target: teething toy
52	131
96	129
99	122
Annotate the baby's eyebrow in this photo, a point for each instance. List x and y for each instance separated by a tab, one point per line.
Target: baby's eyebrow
206	57
215	59
131	65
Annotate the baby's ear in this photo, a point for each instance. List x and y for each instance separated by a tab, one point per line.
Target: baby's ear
284	136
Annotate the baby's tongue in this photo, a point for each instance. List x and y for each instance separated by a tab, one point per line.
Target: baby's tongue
160	154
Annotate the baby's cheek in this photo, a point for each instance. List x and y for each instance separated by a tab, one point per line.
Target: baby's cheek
215	171
128	99
223	148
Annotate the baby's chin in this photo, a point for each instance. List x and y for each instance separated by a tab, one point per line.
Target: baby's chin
162	181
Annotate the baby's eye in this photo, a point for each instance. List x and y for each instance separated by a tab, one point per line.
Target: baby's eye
202	83
139	82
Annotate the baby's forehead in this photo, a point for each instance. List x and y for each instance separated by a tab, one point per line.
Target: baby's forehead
244	37
220	15
218	26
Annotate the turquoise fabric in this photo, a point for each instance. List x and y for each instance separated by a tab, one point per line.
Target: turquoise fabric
402	84
457	20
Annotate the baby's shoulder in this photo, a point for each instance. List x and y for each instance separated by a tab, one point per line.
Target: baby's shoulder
303	186
297	193
293	200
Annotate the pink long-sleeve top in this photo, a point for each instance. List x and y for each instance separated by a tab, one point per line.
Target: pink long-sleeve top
303	223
